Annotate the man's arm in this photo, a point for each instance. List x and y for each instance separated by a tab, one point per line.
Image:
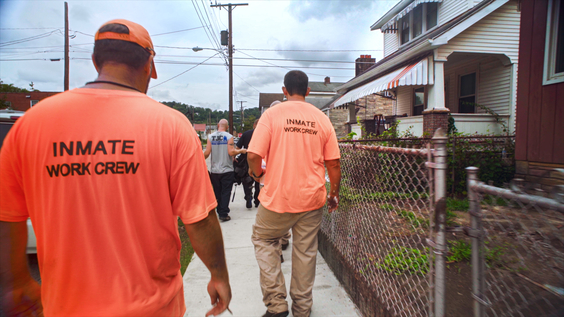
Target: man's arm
334	172
207	241
208	148
232	150
21	295
255	165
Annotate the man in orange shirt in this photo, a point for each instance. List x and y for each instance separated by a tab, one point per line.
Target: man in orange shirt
298	142
104	172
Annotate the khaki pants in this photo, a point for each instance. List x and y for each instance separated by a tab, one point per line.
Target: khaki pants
268	229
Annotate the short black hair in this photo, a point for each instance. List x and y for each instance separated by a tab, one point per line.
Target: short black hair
121	52
296	83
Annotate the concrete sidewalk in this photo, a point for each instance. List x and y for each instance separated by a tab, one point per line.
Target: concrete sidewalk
329	298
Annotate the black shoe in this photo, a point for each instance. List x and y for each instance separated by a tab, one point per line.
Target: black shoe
285	246
257	203
249	204
224	219
281	258
282	314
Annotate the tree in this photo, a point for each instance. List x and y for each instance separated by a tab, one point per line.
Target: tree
10	88
4	88
208	116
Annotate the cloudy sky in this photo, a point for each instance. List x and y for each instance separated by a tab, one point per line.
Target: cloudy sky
320	37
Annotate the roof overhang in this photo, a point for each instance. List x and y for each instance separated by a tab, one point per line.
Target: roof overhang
418	48
445	37
411	75
385	24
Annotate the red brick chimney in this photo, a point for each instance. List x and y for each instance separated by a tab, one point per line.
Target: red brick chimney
327	80
363	64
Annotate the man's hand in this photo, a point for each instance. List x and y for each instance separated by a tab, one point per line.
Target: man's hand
334	173
23	301
220	295
332	203
207	242
257	179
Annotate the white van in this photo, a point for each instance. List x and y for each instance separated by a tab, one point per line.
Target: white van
7	120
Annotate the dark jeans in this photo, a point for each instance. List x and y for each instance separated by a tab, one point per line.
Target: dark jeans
222	184
248	184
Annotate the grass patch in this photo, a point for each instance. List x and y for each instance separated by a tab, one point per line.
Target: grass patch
459	251
402	260
457	204
187	251
412	218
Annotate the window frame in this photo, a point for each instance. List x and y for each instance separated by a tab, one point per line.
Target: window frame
551	41
424	104
32	103
475	94
424	28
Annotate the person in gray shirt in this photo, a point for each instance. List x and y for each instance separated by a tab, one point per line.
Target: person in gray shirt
222	150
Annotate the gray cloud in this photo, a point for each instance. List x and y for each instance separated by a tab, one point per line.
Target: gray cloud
321	10
161	95
80	13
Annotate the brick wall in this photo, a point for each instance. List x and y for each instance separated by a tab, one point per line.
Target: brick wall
374	105
434	119
22	100
338	119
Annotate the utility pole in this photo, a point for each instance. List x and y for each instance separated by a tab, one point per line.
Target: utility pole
242	114
66	46
230	8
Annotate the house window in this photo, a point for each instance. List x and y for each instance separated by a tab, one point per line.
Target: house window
418	101
431	16
33	102
405	30
467	97
554	50
418	21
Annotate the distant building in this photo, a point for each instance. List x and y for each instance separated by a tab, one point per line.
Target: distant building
265	99
23	101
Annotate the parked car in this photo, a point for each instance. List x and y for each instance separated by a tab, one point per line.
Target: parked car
7	120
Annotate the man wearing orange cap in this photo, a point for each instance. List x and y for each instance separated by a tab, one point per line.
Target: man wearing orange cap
103	172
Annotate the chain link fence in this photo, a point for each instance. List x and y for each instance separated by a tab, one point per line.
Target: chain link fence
382	224
387	243
517	250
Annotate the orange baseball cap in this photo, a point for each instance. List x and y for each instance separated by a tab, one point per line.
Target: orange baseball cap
137	34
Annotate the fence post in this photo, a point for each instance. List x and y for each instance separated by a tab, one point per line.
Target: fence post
440	153
476	232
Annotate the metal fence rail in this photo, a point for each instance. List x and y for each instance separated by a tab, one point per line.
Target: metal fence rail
518	251
383	222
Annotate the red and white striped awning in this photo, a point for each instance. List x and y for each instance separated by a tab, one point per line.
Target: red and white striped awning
414	74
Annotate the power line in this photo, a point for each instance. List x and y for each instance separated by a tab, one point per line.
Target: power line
27	39
199	27
316	51
246	82
6	29
181	73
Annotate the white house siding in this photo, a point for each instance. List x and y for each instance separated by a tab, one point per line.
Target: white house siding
493	79
404	103
450	9
496	33
391	43
453	71
494	87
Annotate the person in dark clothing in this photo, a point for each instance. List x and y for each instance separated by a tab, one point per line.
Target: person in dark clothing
248	181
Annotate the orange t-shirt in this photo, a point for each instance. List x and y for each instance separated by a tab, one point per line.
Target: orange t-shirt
296	138
103	174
